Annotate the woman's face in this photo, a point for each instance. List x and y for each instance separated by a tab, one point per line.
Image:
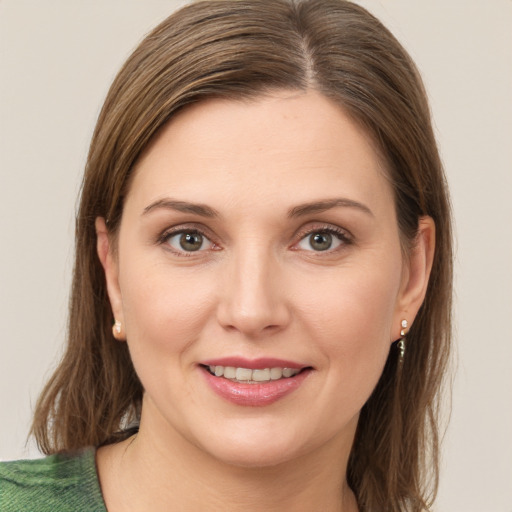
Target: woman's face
259	236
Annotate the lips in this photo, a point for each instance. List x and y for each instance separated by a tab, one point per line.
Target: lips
254	382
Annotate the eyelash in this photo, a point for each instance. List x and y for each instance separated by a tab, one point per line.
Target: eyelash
163	239
342	235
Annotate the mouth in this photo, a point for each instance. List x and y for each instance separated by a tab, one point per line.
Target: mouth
254	383
253	376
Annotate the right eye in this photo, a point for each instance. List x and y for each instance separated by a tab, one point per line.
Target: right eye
187	241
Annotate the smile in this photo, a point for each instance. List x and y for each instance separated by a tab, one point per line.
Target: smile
255	382
247	375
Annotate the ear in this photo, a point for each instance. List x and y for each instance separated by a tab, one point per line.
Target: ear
415	275
110	265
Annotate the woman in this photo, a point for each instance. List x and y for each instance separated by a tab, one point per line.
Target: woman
260	314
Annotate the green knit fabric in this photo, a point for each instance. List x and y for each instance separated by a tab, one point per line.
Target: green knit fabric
58	483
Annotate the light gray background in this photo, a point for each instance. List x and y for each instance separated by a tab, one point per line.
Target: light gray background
58	58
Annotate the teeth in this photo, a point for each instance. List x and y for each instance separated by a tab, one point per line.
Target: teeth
276	373
230	372
261	375
248	375
243	374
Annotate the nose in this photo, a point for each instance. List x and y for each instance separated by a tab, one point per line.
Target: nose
253	296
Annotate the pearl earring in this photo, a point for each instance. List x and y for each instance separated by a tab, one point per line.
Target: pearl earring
401	341
116	329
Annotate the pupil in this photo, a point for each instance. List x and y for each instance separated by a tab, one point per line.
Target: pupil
321	241
191	241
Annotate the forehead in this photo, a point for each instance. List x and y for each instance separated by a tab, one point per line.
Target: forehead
281	148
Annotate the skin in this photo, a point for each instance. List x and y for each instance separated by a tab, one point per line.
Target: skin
256	288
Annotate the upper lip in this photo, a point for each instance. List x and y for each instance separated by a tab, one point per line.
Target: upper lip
253	364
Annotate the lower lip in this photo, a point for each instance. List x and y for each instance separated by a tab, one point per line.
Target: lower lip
254	395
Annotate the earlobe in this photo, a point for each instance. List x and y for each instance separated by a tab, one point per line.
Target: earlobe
110	267
417	272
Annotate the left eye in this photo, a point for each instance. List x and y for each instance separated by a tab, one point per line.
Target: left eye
188	241
320	241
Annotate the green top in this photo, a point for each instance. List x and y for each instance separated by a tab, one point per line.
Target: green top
65	482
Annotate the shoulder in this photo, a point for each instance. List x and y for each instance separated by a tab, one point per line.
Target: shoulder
57	483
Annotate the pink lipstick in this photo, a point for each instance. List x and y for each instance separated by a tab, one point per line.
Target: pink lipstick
256	382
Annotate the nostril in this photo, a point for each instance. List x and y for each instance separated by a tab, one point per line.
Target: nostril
271	327
252	308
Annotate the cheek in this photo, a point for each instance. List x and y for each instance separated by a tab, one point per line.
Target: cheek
164	307
165	314
349	315
352	302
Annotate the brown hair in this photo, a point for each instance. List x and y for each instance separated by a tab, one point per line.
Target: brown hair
240	49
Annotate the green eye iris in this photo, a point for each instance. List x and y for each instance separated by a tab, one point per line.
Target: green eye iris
191	241
320	241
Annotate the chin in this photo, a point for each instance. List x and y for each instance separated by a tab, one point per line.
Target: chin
256	457
246	448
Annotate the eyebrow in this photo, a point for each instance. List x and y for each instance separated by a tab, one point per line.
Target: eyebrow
322	206
297	211
182	206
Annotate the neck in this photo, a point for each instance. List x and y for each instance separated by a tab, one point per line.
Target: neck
148	472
